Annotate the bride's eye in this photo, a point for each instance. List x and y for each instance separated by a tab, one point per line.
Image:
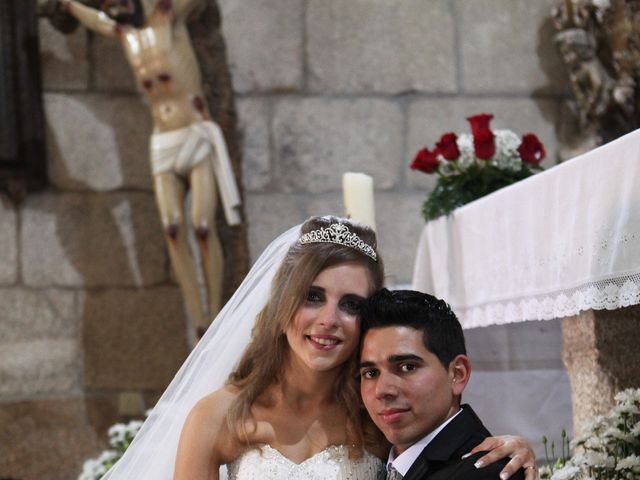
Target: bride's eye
314	296
351	305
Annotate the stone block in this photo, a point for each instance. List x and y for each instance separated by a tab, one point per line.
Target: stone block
317	140
600	352
133	339
269	215
507	46
428	119
87	240
45	439
331	203
254	131
50	366
264	40
63	58
37	315
8	242
399	225
97	142
381	46
111	69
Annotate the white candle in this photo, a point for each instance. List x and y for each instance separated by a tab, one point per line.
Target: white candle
357	189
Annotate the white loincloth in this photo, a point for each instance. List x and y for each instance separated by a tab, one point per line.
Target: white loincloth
178	151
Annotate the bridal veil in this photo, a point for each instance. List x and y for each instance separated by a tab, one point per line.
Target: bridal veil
152	453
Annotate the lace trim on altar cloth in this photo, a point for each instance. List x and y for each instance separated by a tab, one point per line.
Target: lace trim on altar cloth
608	294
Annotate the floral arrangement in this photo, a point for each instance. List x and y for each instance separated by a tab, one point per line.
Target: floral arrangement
120	437
610	450
471	166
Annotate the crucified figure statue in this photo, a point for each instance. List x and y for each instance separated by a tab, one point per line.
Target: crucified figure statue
187	149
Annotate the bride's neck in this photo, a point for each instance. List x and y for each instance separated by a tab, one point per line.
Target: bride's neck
303	385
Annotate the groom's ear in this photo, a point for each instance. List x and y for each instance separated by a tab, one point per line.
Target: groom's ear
459	372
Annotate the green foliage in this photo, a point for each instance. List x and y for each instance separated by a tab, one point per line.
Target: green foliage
476	181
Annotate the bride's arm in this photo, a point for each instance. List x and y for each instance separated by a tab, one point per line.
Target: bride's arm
203	439
517	448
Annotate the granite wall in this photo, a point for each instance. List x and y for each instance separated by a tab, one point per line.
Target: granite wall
92	324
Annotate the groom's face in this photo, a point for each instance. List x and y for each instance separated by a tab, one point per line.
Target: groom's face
405	388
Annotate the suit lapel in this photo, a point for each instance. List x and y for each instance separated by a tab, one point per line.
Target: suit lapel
457	438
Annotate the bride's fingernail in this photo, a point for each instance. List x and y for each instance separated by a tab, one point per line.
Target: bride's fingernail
504	475
479	464
465	455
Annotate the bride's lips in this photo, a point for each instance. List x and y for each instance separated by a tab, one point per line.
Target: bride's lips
323	342
392	415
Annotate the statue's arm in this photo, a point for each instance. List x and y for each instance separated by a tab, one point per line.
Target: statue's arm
90	18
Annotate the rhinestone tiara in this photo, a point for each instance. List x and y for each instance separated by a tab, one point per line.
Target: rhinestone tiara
338	233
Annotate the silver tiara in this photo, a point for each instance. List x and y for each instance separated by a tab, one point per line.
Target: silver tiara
338	233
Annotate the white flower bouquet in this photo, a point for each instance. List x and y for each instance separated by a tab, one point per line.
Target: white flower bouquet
120	437
610	450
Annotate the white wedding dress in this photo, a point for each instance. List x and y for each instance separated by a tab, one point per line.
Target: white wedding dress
332	463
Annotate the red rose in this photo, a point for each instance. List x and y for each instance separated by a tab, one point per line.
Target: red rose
425	160
447	146
531	149
483	138
484	146
480	123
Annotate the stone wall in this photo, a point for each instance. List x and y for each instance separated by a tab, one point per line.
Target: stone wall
91	316
330	86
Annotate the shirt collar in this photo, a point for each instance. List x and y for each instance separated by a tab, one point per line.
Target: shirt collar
402	463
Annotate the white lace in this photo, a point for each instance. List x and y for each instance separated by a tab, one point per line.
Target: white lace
605	294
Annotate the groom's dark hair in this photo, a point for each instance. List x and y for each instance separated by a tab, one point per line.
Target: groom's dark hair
441	331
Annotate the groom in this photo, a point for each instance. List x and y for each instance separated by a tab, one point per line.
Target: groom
413	369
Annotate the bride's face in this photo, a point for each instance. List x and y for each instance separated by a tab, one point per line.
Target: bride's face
325	329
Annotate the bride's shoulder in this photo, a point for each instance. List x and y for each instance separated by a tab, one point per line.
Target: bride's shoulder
212	408
205	436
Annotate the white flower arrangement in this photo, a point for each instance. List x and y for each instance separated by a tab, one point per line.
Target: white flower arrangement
120	437
610	450
506	156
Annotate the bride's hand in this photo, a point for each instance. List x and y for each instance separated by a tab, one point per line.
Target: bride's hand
517	448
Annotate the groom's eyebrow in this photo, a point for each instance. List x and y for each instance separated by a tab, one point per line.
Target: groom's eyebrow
404	357
398	358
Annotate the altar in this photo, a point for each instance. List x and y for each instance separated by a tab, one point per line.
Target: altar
564	244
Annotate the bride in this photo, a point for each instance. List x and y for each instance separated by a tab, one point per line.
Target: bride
290	408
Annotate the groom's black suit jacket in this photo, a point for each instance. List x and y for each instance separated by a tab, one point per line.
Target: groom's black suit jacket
440	460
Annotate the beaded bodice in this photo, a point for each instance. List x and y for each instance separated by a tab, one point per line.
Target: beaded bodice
332	463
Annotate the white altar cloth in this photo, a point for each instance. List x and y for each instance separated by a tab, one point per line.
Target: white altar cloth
560	242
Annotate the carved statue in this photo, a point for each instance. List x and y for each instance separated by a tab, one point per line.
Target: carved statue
599	41
187	149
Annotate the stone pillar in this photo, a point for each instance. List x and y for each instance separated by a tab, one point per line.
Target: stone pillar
600	349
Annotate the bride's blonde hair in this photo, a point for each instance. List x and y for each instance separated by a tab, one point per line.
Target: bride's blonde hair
261	364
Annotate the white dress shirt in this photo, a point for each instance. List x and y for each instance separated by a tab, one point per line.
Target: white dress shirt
402	463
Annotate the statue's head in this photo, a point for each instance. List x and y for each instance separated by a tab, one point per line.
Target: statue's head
124	11
576	45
